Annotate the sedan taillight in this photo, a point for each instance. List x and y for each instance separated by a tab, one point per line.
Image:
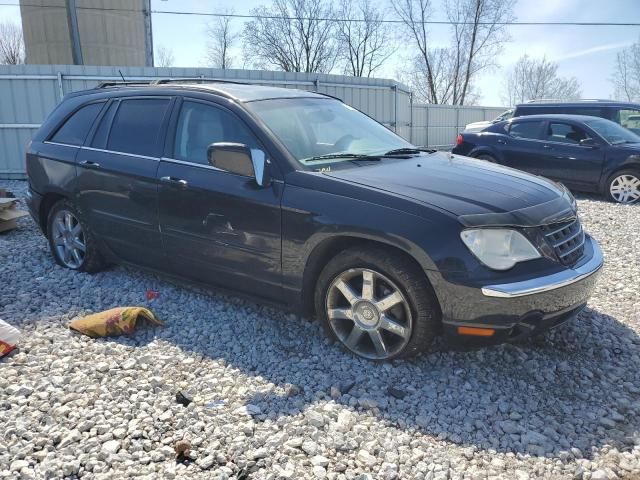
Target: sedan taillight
459	139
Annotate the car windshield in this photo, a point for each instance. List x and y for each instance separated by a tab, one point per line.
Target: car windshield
503	116
320	131
612	132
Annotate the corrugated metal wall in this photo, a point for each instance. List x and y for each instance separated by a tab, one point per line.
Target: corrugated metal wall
29	92
438	125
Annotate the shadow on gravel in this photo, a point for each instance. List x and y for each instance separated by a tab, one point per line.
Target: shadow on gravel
573	388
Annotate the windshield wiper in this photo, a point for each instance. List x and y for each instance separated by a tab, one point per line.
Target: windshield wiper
409	151
349	156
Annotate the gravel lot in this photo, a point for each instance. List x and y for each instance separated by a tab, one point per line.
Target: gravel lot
276	400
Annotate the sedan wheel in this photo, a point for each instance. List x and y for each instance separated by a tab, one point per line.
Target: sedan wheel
68	239
625	188
368	313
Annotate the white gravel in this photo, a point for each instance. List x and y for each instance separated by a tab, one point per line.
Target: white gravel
280	402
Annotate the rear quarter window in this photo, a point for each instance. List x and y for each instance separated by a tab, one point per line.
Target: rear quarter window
75	129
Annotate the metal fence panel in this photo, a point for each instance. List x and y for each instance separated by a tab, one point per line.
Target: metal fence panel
29	92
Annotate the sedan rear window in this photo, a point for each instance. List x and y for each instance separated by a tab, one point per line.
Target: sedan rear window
526	130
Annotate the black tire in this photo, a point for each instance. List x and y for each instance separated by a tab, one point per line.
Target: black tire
607	188
92	259
487	157
407	276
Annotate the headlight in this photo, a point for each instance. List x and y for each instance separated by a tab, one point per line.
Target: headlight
499	249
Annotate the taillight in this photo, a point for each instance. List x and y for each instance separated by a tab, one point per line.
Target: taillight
459	139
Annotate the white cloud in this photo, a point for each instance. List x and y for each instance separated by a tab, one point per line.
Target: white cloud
591	50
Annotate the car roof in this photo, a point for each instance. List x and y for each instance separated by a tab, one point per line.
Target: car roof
241	92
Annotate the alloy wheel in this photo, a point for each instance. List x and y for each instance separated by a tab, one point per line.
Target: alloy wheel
68	239
625	188
368	313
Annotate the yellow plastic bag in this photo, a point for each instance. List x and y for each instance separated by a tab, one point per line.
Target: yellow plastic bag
113	322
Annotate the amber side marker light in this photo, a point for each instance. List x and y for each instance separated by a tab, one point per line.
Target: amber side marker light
478	332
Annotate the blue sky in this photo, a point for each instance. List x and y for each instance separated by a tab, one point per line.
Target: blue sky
587	53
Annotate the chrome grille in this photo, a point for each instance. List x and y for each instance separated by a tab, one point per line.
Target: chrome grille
567	240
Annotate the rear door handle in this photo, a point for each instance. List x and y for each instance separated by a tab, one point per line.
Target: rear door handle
548	147
174	181
90	164
500	140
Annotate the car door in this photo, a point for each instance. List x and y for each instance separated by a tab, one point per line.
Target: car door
218	227
521	146
116	183
565	159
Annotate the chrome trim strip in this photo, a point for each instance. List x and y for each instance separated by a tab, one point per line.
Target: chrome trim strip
548	282
62	144
92	149
191	164
560	229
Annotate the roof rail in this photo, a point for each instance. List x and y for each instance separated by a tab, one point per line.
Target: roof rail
118	83
163	81
560	100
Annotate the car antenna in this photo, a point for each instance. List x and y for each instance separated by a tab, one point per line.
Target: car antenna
122	76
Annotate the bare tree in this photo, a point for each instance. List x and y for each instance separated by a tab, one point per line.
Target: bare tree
531	79
164	57
626	76
292	35
220	40
477	36
11	44
364	41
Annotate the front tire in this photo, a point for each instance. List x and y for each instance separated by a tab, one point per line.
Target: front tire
623	187
71	242
377	304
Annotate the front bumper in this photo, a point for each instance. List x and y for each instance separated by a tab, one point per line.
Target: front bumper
518	309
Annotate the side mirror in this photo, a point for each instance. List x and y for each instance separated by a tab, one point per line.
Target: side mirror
589	142
239	158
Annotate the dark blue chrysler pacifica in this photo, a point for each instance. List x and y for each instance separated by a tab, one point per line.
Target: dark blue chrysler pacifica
300	200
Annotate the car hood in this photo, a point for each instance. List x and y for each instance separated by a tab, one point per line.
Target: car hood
475	191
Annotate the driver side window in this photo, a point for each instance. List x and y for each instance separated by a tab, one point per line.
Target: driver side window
200	124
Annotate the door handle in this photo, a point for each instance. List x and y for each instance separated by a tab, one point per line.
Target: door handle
548	147
174	181
90	164
504	142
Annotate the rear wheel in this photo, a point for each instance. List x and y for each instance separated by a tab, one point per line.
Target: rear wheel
377	304
624	187
71	242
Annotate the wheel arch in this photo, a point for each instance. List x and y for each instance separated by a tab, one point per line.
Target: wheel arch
48	201
329	247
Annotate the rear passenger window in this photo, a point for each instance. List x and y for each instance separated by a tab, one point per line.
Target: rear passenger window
136	126
526	130
75	129
200	125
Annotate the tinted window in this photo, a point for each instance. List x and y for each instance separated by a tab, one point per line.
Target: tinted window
612	132
526	129
75	129
136	126
565	133
100	137
200	125
560	108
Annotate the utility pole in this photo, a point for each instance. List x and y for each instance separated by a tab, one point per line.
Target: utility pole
74	33
148	33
